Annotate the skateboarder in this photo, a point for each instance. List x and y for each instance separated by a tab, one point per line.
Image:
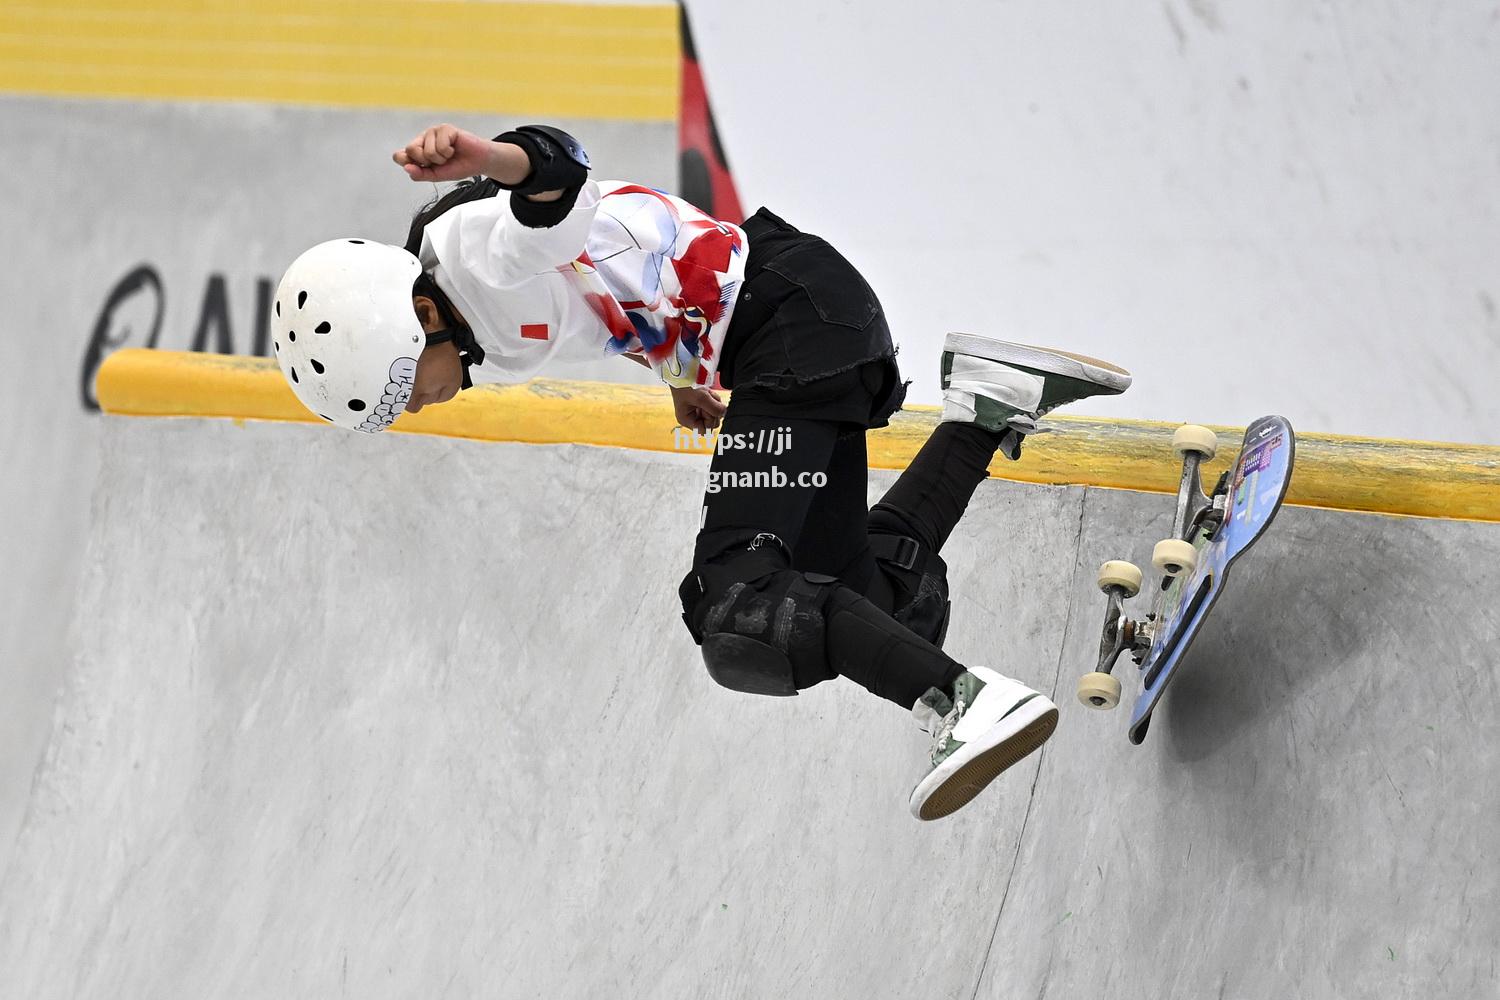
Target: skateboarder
528	262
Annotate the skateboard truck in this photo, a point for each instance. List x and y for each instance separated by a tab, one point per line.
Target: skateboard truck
1198	515
1119	580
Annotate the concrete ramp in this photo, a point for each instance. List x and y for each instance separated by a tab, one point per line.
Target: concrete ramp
416	716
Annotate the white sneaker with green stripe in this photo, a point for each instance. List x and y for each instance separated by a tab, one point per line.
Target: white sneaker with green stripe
1003	386
990	723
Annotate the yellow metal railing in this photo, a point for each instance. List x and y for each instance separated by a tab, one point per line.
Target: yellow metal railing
1346	473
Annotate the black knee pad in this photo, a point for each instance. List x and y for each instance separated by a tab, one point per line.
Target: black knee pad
741	663
918	581
760	624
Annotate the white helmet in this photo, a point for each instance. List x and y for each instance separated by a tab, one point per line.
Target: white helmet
345	332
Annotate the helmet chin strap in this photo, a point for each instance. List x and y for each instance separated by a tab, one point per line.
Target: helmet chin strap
454	332
469	352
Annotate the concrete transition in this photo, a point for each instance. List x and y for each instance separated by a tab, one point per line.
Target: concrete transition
416	717
187	255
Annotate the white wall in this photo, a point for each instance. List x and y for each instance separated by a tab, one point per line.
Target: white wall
1284	206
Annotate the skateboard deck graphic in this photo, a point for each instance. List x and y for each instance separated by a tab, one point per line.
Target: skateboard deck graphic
1257	486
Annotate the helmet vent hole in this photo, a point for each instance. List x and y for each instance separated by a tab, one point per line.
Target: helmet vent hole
323	327
357	405
276	344
360	242
294	376
291	335
318	366
301	299
278	307
326	417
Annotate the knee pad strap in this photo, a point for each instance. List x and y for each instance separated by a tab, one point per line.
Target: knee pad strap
919	585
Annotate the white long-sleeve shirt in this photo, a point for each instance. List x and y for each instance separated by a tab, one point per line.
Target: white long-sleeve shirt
629	270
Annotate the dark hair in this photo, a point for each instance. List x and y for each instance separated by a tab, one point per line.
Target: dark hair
465	191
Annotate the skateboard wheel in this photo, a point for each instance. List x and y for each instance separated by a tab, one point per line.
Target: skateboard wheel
1099	690
1119	573
1191	437
1174	557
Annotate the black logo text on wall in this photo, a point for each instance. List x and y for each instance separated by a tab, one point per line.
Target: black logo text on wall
133	312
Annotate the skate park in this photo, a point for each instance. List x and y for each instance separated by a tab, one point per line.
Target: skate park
501	771
493	767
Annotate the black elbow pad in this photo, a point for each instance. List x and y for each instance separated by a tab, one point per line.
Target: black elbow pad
558	161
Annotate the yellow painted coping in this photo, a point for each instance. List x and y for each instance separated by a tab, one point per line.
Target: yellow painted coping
1346	473
576	60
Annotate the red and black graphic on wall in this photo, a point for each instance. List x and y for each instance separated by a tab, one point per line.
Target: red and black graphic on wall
703	178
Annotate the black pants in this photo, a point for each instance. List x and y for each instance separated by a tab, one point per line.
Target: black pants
813	367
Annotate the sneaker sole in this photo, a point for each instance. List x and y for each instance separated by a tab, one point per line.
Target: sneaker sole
975	774
1043	359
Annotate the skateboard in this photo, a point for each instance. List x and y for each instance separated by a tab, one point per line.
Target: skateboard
1212	531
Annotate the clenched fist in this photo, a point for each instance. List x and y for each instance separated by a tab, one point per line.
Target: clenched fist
445	153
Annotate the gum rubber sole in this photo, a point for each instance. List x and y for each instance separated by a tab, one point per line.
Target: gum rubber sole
971	779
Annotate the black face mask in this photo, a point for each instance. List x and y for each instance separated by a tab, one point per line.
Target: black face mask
454	330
